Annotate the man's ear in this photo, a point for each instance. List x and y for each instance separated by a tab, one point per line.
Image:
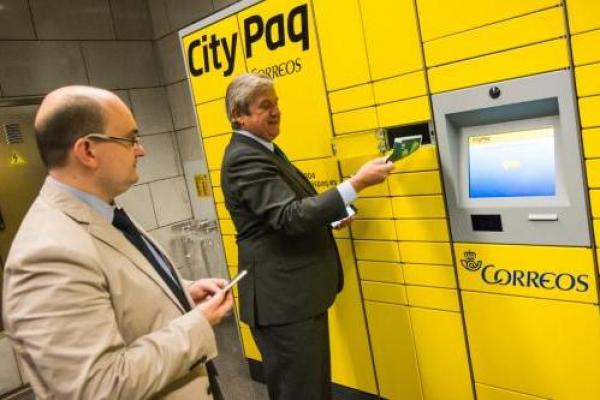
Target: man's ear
85	153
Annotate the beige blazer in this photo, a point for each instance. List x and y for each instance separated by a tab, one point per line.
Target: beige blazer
89	316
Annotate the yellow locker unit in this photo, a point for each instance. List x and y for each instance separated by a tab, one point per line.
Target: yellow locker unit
522	320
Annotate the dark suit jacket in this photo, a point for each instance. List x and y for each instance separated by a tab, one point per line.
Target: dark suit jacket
284	237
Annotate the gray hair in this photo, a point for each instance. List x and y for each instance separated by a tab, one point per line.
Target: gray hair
242	90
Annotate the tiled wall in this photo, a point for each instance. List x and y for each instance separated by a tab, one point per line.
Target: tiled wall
132	48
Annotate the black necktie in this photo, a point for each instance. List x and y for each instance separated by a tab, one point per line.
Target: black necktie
122	222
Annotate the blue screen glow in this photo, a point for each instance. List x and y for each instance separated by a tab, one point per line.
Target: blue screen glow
514	164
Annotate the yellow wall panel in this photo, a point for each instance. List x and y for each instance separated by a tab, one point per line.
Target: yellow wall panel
378	19
214	148
227	227
543	57
419	207
416	183
593	172
213	118
589	111
443	362
441	18
231	250
372	250
585	47
512	33
583	15
381	271
384	292
343	233
373	208
588	79
550	272
597	232
394	351
354	149
404	112
425	252
210	83
322	172
354	97
373	229
355	121
595	203
222	211
434	230
215	178
425	158
351	361
250	348
400	87
430	275
491	393
591	142
342	43
436	298
379	190
509	338
218	195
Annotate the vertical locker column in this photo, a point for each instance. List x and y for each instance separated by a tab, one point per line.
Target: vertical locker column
280	40
210	70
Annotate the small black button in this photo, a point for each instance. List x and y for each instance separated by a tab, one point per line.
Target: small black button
209	389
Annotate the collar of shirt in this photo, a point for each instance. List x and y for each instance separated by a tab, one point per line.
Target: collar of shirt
264	142
99	205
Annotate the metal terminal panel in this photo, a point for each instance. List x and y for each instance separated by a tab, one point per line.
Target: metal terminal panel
511	149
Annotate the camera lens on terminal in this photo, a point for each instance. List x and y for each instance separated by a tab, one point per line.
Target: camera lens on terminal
494	92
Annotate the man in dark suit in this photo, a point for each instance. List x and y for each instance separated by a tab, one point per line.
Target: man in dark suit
285	242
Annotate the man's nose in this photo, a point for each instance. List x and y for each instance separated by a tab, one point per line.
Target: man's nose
140	151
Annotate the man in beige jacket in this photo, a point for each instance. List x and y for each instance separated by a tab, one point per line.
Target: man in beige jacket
92	304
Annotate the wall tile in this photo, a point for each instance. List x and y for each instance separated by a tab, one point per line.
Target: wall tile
190	148
124	95
160	20
185	12
132	19
171	200
166	238
219	4
182	106
78	20
15	20
9	372
120	65
171	59
161	160
138	203
25	69
151	110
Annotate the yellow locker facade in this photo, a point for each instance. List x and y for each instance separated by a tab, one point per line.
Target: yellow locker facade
412	321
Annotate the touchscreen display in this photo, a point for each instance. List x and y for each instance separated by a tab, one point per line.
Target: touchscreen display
512	164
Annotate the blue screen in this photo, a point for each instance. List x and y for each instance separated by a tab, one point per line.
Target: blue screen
514	164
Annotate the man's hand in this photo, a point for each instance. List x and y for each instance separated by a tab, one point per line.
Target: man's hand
371	173
201	289
217	306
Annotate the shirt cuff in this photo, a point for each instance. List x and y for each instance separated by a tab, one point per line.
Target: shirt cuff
347	192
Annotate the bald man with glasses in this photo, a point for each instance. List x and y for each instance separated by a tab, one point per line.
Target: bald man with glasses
95	308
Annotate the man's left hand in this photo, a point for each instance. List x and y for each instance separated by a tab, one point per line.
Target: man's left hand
203	289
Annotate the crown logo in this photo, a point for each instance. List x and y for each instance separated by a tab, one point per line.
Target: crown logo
470	261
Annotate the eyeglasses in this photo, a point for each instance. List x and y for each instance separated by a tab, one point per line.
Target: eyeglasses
132	141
